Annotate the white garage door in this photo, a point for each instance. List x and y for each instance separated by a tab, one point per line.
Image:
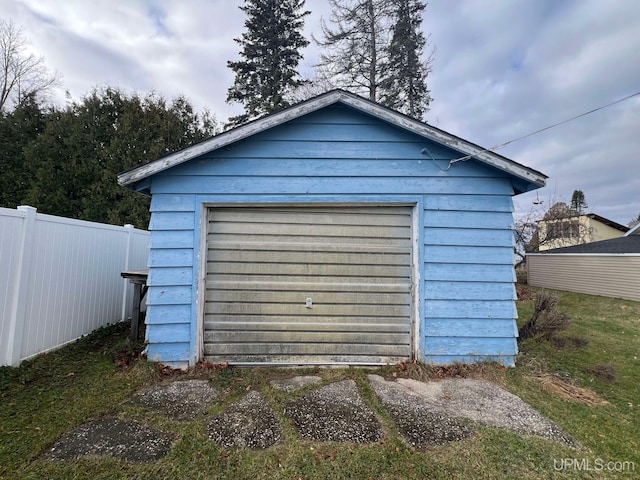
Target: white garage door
308	285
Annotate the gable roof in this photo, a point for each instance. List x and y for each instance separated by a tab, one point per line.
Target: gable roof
609	223
592	216
620	245
531	179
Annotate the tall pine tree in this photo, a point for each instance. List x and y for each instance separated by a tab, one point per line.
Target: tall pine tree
376	47
404	87
354	45
578	202
271	52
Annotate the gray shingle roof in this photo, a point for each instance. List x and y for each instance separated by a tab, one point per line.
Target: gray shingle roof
630	244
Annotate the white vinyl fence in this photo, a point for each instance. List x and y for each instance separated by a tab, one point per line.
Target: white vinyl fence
60	279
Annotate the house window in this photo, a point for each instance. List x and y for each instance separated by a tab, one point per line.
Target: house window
563	229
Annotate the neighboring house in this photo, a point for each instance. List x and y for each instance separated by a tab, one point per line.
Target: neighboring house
576	230
610	268
335	231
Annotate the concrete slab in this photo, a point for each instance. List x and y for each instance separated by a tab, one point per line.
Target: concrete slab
180	400
418	420
249	422
334	413
126	440
479	401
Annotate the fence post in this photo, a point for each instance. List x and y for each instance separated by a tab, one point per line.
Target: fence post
129	231
17	317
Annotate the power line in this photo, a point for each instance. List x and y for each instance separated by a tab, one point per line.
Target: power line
496	147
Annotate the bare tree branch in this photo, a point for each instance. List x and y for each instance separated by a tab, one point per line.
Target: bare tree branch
22	74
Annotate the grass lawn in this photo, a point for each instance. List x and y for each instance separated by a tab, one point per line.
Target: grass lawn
588	382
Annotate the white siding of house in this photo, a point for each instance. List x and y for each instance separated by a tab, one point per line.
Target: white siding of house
608	275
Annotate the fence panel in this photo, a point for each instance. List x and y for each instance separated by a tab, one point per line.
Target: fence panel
10	231
61	279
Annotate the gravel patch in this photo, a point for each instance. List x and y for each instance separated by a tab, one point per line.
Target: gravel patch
249	422
295	383
122	439
419	422
180	400
334	413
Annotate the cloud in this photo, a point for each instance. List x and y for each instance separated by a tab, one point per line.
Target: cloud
502	69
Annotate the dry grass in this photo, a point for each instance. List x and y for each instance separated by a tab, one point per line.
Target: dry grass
568	390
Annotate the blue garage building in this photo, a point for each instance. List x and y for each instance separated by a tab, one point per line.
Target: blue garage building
336	231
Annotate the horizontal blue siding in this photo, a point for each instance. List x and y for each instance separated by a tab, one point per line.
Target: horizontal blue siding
172	239
172	221
467	220
159	276
469	272
468	254
470	309
471	346
475	290
174	354
177	332
469	203
334	185
339	155
482	327
160	314
162	202
167	257
169	295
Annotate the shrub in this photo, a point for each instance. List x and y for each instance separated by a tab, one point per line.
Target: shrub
546	320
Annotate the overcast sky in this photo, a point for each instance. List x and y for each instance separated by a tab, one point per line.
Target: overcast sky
502	69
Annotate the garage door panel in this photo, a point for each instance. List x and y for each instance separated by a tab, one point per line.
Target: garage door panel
276	238
214	324
299	298
227	280
354	263
377	338
330	349
317	269
310	257
303	230
363	217
297	309
306	246
358	322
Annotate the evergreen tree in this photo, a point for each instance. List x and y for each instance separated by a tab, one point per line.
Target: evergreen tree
404	87
271	52
578	202
77	156
18	129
